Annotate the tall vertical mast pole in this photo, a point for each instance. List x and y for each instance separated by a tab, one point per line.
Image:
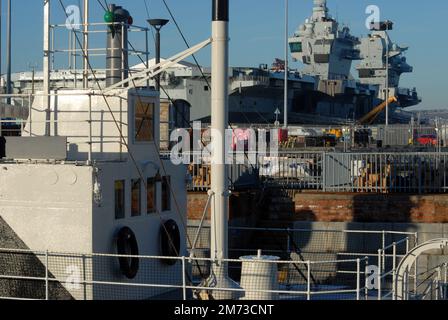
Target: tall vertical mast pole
8	52
1	58
219	119
46	66
219	170
157	24
285	122
86	44
387	79
158	57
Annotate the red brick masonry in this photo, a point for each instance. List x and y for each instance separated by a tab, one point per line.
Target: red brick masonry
371	208
241	205
325	207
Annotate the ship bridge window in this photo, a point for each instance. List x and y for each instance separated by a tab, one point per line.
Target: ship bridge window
296	47
135	196
144	121
119	199
151	196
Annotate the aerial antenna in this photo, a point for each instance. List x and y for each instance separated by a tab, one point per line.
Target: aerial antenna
85	21
8	53
285	107
46	67
1	60
337	12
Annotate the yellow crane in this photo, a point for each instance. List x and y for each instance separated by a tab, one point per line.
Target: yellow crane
372	115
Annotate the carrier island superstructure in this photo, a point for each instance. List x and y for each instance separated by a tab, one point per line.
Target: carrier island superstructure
323	92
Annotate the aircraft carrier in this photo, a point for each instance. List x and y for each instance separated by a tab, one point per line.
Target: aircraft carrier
323	92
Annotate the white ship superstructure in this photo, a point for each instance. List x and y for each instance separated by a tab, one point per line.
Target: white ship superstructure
86	176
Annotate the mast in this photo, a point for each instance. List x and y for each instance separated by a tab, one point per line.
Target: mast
219	170
8	52
219	116
387	79
1	58
46	67
86	44
285	122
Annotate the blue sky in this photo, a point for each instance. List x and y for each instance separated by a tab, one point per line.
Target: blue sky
257	32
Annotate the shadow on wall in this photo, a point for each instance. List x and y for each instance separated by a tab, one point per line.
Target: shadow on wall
24	265
377	213
380	212
2	147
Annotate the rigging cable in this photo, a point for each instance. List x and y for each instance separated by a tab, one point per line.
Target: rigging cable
122	137
201	71
133	159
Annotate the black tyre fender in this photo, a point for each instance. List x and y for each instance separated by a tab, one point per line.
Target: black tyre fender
169	241
127	244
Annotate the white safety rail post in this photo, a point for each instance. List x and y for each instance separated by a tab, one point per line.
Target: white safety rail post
366	275
358	279
379	274
47	291
394	269
416	262
184	279
90	130
445	284
308	276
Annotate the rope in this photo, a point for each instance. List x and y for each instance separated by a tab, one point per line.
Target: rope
122	137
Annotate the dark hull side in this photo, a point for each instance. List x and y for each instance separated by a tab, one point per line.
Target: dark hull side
258	105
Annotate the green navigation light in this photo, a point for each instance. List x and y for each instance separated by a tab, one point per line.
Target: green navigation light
109	17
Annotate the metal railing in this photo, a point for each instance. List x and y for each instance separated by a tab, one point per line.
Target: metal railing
330	242
90	122
368	172
383	249
39	275
386	172
312	264
387	268
74	54
434	285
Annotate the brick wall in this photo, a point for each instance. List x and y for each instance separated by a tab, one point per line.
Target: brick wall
320	207
398	208
196	204
242	206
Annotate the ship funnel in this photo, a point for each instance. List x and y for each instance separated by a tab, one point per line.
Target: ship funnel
117	62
